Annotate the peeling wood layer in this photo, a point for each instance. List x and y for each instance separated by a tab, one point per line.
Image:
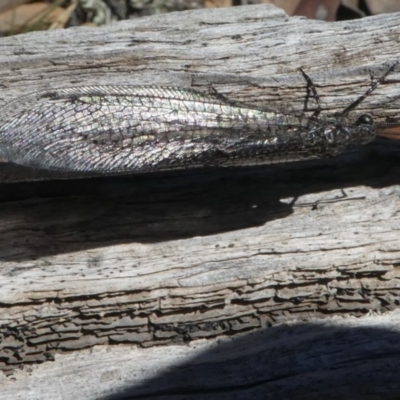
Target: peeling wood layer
311	264
166	259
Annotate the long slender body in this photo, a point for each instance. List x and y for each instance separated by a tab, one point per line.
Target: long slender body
116	129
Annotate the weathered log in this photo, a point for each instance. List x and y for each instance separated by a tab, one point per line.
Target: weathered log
92	268
352	358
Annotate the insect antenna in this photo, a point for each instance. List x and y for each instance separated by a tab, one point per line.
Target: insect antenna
357	102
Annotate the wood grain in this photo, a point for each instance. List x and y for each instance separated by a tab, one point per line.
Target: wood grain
91	268
352	358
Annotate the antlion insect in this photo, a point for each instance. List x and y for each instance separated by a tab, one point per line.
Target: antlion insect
119	129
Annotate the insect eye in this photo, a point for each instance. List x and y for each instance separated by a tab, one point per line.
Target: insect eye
365	119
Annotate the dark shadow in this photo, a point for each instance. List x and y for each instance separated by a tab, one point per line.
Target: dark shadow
309	361
71	215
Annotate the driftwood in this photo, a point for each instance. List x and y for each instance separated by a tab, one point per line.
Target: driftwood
248	280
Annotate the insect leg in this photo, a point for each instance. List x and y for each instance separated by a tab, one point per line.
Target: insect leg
312	89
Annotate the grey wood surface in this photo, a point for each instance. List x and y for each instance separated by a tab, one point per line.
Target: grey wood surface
340	358
230	49
91	268
252	54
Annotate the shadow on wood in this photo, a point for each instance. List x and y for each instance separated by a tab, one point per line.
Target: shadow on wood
71	215
355	359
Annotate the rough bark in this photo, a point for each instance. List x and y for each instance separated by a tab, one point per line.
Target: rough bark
353	358
91	268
